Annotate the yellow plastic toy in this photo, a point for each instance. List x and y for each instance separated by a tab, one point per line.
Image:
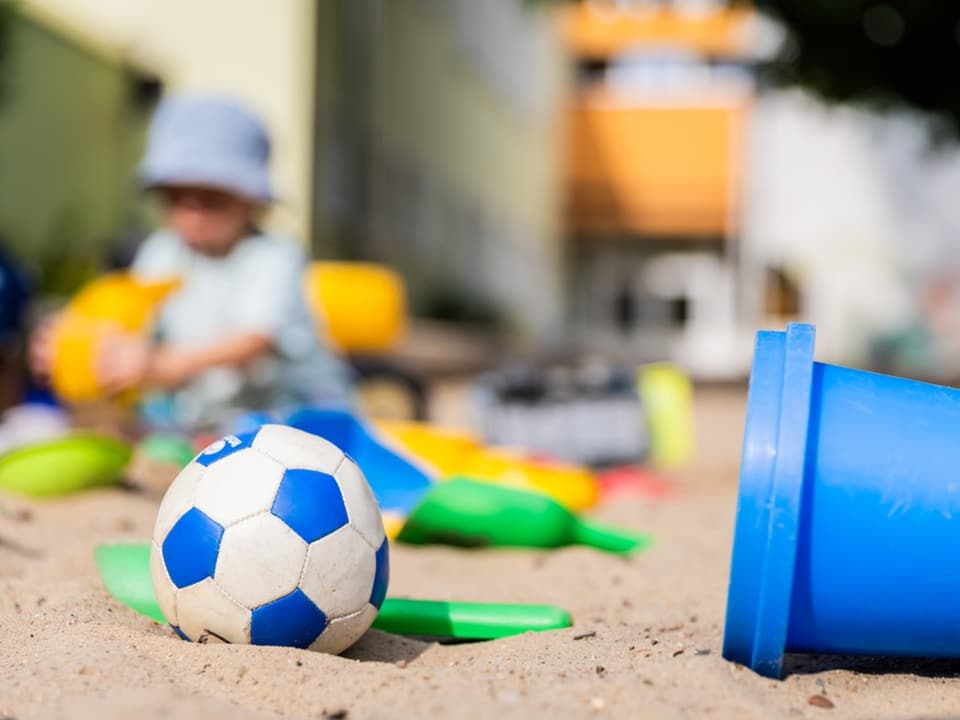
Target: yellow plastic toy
344	293
667	396
443	451
572	486
113	303
450	454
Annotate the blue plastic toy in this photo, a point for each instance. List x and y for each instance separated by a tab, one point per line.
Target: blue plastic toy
398	483
846	533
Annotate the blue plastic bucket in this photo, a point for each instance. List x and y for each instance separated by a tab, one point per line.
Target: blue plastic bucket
848	519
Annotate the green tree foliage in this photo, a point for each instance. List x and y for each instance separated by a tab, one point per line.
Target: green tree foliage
889	53
6	16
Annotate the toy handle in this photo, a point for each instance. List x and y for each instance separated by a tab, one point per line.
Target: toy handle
467	620
608	537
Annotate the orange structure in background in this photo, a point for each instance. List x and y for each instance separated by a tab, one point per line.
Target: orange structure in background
653	170
592	32
665	163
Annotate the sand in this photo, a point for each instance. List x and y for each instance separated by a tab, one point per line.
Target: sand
646	642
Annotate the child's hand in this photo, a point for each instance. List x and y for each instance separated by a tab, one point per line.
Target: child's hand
40	350
123	362
169	368
129	361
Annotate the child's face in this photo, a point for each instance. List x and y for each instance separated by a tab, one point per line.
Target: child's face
210	221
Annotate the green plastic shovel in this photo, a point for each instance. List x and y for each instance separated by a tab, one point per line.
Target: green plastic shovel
125	571
472	513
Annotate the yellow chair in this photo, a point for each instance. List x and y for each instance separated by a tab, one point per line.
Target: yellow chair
361	306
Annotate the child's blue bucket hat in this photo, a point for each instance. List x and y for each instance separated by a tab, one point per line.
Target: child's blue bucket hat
209	141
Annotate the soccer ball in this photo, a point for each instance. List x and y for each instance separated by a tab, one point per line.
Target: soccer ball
272	537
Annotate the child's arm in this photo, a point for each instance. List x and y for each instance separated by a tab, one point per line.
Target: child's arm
170	367
127	362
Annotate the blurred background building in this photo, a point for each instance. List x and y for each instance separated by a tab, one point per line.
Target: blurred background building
597	177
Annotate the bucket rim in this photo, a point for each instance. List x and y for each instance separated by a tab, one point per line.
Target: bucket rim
769	499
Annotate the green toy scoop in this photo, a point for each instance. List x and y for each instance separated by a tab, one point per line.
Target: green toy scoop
125	571
472	513
57	467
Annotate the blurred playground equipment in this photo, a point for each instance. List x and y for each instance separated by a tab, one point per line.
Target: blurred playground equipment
656	138
595	414
655	148
589	413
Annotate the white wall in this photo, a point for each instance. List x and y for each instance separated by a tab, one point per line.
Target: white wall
257	50
821	203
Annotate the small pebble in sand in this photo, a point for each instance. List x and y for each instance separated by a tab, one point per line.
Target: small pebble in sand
22	515
125	524
820	701
401	664
340	714
601	670
597	703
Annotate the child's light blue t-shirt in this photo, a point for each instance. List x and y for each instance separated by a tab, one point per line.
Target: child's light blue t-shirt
256	288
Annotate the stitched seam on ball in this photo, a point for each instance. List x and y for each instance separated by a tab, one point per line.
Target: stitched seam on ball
350	522
166	573
303	568
363	537
349	616
196	485
230	597
270	456
247	517
306	558
282	464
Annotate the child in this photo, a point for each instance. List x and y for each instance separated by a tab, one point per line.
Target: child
237	335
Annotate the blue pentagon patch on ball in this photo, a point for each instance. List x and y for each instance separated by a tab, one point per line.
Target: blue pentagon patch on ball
293	621
381	577
310	502
191	547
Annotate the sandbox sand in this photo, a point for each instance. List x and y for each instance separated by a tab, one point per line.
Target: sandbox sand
646	641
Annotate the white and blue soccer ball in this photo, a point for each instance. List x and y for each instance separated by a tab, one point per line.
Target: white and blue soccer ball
272	537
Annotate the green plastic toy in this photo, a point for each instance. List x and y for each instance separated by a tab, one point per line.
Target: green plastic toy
467	620
125	572
64	465
471	513
168	448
